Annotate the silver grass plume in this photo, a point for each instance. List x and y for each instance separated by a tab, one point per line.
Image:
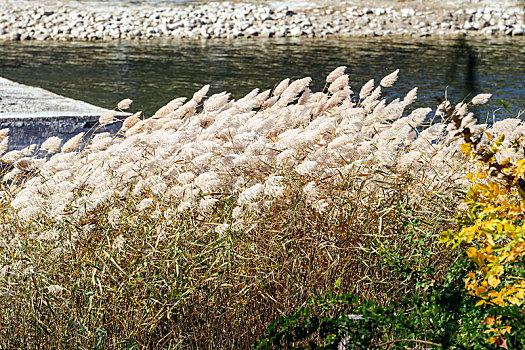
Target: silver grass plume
12	157
417	117
24	164
251	194
410	97
442	107
373	96
461	109
185	110
270	102
390	79
377	108
216	102
248	102
263	96
468	121
4	144
292	91
73	143
199	95
367	89
304	97
335	74
279	89
170	107
481	99
4	133
339	84
29	149
107	118
339	96
394	110
130	121
124	104
55	289
51	145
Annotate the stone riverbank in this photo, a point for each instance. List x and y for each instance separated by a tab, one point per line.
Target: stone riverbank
26	20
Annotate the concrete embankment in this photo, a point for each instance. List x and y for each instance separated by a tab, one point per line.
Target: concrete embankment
67	20
33	114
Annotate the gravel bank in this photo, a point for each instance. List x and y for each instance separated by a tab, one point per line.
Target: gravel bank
70	21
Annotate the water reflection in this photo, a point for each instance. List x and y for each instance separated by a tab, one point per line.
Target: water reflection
463	50
152	73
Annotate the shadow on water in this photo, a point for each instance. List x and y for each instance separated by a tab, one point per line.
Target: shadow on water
464	51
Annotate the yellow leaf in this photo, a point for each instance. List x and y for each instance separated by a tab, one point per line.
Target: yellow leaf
488	321
500	140
520	167
493	281
466	148
514	300
472	252
498	270
507	329
520	293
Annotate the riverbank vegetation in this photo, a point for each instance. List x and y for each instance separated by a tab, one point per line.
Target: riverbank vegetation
201	225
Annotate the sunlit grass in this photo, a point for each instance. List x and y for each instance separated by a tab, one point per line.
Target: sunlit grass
196	227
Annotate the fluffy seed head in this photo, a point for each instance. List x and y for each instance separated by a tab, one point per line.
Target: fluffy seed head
11	157
131	121
54	289
339	84
24	164
199	95
170	107
481	99
4	144
410	97
367	89
263	96
51	145
73	143
336	73
3	133
292	91
279	89
216	102
390	79
107	118
124	104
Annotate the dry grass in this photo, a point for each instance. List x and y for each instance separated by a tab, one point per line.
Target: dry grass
179	283
195	228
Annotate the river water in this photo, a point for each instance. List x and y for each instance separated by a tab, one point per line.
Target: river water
152	73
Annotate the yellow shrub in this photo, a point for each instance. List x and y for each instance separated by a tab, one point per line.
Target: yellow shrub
493	227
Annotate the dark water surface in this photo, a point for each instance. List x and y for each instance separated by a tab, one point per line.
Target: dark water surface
153	73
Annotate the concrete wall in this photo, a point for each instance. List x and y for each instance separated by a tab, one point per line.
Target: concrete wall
24	131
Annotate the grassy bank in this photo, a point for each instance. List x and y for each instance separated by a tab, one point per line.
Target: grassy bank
197	227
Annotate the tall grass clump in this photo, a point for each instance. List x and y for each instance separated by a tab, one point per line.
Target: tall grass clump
196	227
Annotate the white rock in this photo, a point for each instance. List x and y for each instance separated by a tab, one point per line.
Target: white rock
296	31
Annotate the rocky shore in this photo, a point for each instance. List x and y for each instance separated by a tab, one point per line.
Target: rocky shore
34	21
